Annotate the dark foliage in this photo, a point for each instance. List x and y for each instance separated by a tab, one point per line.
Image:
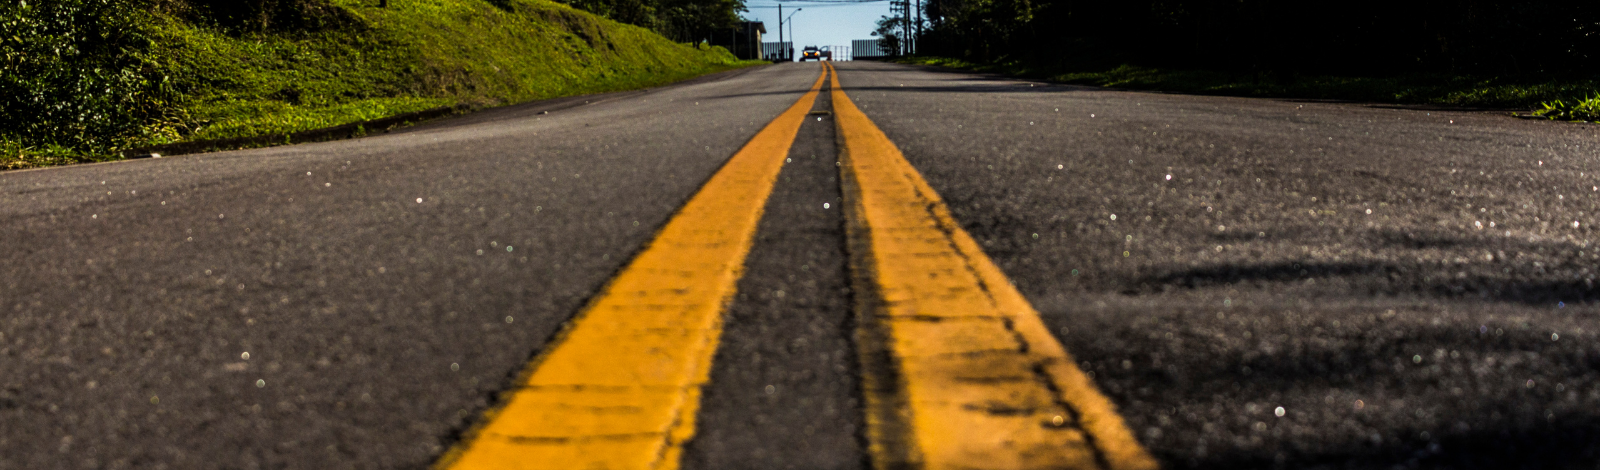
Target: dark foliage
889	35
1362	36
679	20
79	74
267	16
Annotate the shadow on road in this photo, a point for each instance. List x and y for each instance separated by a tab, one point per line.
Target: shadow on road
1440	395
1500	269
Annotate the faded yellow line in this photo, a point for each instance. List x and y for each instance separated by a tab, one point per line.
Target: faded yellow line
978	381
620	387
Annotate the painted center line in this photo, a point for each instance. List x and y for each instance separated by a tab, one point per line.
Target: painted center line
620	387
970	377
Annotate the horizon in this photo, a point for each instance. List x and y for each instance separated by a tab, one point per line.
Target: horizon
819	24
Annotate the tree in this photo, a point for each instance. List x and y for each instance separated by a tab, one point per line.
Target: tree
980	29
888	34
1279	36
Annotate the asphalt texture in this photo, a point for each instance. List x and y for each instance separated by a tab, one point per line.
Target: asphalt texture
1213	261
784	391
1255	283
376	326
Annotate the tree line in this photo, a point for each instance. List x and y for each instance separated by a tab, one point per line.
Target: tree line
678	20
1356	36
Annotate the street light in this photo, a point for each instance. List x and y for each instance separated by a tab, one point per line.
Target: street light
787	53
791	30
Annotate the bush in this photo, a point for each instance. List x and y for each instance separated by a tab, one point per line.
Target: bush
82	75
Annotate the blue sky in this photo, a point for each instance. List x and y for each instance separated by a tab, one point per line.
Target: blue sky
819	24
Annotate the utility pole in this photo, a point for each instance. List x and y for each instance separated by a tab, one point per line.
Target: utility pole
897	12
905	27
903	10
786	52
919	20
911	26
901	42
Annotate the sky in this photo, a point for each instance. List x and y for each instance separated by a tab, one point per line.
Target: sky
819	24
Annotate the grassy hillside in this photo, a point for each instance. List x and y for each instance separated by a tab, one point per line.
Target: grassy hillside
188	77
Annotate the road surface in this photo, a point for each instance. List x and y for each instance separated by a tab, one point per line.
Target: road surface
889	266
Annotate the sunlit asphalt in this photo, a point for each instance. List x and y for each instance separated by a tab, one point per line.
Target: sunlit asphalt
1255	283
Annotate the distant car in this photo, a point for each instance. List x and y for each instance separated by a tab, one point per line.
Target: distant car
810	53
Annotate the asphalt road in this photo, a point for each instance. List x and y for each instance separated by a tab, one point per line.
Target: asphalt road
1254	283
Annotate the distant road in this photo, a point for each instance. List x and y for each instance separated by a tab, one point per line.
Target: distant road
1199	282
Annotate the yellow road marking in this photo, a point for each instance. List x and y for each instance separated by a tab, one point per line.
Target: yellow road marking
979	382
620	387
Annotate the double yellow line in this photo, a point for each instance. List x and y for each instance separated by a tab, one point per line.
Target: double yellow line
969	376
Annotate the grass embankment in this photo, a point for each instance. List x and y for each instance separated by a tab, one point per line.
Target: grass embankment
378	62
1541	97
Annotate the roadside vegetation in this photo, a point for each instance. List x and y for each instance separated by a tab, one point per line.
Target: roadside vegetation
84	80
1543	95
1531	55
1585	110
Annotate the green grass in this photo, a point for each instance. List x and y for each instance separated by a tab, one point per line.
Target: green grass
412	56
1582	110
247	118
14	154
1510	93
